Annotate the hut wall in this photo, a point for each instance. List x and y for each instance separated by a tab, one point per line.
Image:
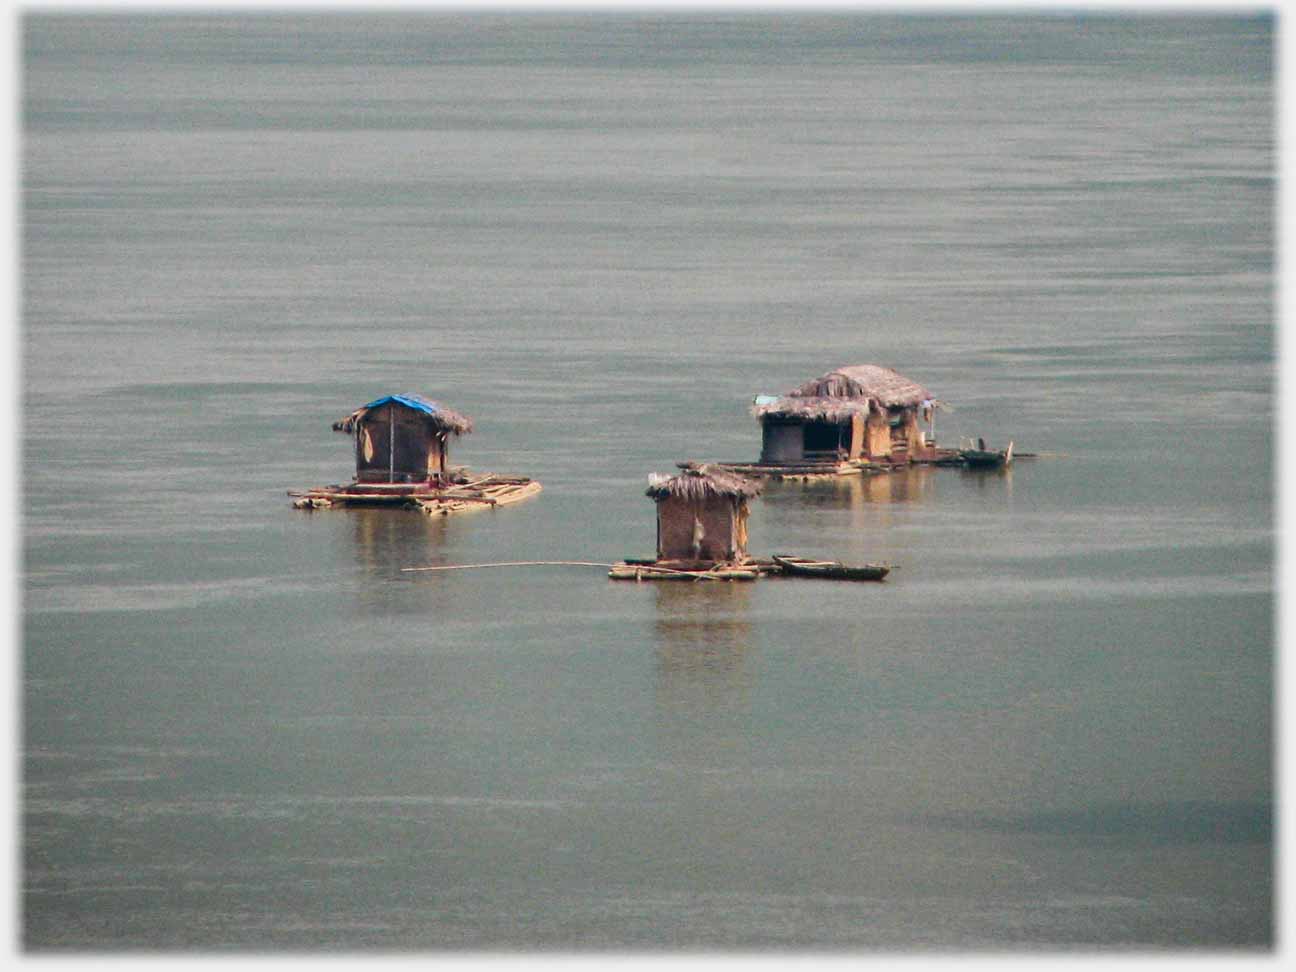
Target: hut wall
434	457
781	442
914	434
419	452
877	437
856	437
724	529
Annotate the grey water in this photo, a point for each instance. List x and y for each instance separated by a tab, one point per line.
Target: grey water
599	235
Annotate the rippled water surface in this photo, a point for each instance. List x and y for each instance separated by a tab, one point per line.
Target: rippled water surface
599	236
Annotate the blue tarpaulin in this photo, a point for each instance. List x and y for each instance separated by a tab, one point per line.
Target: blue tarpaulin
417	402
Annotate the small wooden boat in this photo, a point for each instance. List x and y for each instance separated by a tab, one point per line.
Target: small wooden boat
830	569
983	458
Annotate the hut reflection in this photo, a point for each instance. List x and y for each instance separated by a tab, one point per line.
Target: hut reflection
703	639
867	500
984	480
384	541
911	484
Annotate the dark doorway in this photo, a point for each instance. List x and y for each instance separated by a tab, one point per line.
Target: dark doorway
823	437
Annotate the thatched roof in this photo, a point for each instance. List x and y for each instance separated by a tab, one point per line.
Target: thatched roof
885	386
444	419
835	410
836	396
703	482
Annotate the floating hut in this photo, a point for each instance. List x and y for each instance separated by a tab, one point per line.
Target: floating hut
402	438
401	458
702	534
701	527
860	412
702	515
861	418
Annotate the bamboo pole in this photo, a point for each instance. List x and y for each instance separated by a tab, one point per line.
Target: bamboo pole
476	482
701	575
513	563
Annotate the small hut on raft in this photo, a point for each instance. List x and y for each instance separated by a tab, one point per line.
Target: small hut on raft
702	534
402	438
702	515
401	457
701	528
859	413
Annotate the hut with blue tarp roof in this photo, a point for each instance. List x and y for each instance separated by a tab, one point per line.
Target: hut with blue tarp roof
402	438
402	460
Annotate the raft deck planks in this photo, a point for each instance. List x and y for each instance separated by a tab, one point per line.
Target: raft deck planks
487	492
804	471
810	471
668	570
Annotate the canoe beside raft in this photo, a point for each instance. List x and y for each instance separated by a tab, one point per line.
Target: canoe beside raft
830	569
986	458
484	493
781	565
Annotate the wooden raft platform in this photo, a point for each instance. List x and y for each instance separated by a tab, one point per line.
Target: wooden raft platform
802	471
483	493
809	471
631	569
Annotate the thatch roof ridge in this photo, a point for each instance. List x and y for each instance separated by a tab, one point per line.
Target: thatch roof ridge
885	385
704	482
446	419
824	408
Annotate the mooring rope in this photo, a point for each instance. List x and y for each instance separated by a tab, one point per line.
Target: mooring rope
516	563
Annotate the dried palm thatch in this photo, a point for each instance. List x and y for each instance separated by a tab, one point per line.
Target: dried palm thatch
703	482
885	386
440	417
822	409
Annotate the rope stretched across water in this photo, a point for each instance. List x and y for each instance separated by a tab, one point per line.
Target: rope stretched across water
646	568
519	563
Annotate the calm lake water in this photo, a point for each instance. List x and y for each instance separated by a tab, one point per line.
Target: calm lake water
598	235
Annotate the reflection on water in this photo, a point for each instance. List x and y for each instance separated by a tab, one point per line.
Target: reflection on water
868	498
987	479
865	500
384	541
703	639
385	538
914	484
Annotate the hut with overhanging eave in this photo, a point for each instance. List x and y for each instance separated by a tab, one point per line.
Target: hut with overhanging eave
859	412
402	438
702	515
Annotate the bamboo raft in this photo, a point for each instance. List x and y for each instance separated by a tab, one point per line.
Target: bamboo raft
631	569
805	471
484	493
811	471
